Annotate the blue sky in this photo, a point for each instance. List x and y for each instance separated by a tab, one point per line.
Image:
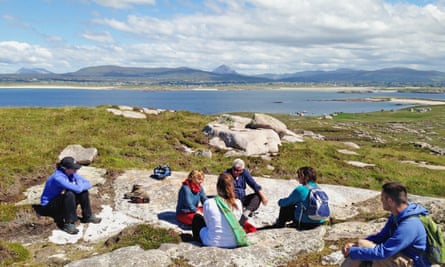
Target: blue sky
251	37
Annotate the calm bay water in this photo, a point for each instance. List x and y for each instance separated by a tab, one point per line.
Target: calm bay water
209	102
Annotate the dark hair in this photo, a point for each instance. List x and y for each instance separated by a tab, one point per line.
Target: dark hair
396	191
226	189
308	174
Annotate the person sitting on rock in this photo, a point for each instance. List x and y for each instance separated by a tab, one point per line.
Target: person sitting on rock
63	191
401	242
292	208
190	195
242	177
219	226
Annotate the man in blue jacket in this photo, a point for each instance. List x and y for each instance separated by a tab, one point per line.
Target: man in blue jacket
401	242
63	191
242	178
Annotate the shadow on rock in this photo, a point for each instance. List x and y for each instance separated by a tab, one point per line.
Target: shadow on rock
170	216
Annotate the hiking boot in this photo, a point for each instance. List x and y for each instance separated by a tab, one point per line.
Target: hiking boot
140	198
91	219
70	228
137	189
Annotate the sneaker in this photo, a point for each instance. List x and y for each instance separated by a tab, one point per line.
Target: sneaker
292	225
91	219
70	228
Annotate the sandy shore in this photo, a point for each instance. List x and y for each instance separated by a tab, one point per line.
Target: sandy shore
426	102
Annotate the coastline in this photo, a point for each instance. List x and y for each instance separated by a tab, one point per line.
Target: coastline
343	89
340	89
426	102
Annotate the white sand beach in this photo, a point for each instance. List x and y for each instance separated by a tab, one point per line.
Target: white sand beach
426	102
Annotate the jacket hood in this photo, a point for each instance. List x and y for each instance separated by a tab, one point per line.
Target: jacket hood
412	209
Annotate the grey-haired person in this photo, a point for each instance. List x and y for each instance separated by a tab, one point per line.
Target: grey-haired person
241	179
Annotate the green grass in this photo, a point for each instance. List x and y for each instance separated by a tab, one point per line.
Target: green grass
7	212
12	253
32	138
146	236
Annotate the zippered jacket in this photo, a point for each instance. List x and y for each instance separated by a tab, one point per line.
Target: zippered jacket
403	233
59	181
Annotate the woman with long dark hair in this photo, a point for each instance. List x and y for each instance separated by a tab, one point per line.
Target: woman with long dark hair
294	207
220	227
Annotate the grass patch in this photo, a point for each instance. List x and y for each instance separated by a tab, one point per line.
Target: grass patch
146	236
32	139
7	212
12	253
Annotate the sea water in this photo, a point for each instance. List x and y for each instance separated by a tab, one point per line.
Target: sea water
309	102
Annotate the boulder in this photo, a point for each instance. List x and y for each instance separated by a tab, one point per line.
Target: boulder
359	164
253	142
253	137
84	156
351	145
290	137
347	152
263	121
133	114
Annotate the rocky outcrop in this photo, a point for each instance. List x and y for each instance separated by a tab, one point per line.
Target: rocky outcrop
268	247
252	142
359	164
134	112
263	121
261	135
434	149
268	250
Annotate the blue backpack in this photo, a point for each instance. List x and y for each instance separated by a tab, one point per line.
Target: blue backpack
161	171
318	204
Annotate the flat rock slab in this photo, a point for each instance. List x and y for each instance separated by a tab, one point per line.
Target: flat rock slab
268	247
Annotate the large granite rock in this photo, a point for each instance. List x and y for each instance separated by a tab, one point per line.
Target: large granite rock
252	142
270	247
84	156
263	121
261	135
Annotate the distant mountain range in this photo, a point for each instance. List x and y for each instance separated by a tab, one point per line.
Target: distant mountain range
224	75
33	71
